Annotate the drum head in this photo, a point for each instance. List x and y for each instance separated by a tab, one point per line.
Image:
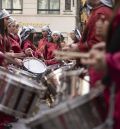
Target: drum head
34	65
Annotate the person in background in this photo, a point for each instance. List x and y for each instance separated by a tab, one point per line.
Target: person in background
101	13
27	41
46	34
101	10
75	35
5	44
50	47
13	37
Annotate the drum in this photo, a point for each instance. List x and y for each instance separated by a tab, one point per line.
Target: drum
78	113
76	82
54	78
34	65
21	72
18	95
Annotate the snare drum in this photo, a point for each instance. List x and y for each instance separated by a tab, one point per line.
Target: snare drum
54	77
34	65
53	83
77	113
19	96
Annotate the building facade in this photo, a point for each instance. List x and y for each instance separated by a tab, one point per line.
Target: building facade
58	14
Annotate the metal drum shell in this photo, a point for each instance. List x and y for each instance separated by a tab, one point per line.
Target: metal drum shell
18	95
76	113
55	76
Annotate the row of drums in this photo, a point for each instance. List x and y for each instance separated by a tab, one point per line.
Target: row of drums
22	89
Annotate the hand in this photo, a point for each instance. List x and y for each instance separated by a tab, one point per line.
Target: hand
96	59
19	62
99	46
29	52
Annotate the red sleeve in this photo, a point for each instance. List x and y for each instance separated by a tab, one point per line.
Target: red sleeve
113	61
15	46
50	54
28	44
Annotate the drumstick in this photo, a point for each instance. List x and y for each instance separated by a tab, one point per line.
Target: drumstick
32	54
72	54
16	55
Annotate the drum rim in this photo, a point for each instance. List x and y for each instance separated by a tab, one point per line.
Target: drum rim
11	111
59	70
22	72
28	84
16	113
28	58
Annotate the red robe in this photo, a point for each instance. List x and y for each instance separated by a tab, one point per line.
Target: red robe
89	37
41	45
113	63
49	53
28	44
14	43
4	47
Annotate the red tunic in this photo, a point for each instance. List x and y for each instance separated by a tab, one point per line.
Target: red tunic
41	45
113	62
4	47
28	44
49	53
15	46
91	38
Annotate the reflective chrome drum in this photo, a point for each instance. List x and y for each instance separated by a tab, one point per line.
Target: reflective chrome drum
21	72
55	77
18	96
82	112
34	65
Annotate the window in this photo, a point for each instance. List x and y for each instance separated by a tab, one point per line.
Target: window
13	6
48	6
67	4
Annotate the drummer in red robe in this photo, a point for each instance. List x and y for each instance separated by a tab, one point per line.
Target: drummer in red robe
50	47
101	11
109	61
4	47
27	44
15	41
46	34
